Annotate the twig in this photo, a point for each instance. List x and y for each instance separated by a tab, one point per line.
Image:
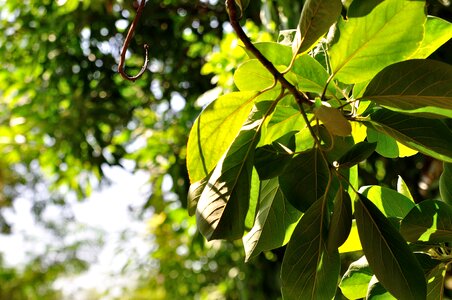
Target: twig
232	11
129	36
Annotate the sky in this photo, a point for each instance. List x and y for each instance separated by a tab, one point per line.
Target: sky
106	210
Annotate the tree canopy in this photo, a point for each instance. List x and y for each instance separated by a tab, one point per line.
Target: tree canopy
331	100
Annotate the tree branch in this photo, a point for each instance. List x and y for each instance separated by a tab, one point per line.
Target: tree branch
129	36
233	17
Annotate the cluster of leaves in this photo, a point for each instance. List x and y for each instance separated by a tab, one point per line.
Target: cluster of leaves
276	162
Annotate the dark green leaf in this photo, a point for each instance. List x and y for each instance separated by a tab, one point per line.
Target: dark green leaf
356	154
388	254
376	291
435	282
305	179
308	270
316	18
365	44
356	279
415	86
224	203
194	193
275	221
429	136
341	220
445	183
271	160
429	221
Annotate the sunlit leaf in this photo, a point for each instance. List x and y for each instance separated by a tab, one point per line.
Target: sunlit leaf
356	279
429	136
387	253
391	203
275	220
417	86
253	76
334	120
224	203
437	32
214	130
403	189
429	221
365	44
316	18
352	243
309	270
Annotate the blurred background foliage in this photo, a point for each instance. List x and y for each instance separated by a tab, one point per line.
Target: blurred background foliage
65	114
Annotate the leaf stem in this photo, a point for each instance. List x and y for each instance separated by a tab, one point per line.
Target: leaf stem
234	20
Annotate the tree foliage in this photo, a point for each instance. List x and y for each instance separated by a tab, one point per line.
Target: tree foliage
283	148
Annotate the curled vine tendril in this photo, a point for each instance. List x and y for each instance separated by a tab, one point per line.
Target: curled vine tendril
129	36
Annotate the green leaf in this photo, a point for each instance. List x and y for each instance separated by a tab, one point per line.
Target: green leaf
445	183
352	243
356	279
389	202
275	221
254	200
316	18
334	120
285	119
341	220
435	282
305	179
417	86
388	146
276	53
365	44
429	221
387	253
429	136
194	193
437	32
224	202
271	160
376	291
309	270
214	130
356	154
311	76
253	76
403	189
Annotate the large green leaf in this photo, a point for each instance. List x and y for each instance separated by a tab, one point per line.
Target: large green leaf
417	86
271	160
445	183
429	221
388	254
194	193
429	136
316	18
341	220
224	202
391	203
305	179
356	279
309	270
276	53
356	154
437	32
435	271
253	76
352	243
388	146
310	76
275	220
214	130
365	44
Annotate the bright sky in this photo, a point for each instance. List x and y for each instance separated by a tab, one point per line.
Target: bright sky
107	210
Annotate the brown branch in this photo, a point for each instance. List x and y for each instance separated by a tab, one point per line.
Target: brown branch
129	36
234	19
